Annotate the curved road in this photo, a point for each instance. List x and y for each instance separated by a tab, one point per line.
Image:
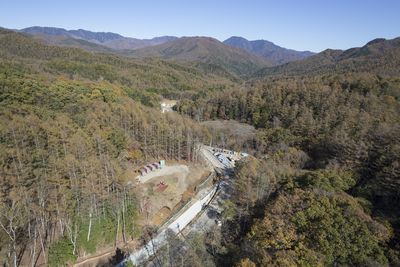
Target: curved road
176	226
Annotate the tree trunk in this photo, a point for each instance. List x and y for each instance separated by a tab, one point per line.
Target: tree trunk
116	234
90	226
123	218
34	250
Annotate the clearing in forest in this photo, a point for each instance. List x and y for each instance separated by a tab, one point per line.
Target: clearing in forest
164	191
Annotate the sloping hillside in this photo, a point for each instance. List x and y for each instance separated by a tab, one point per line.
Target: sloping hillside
268	50
379	56
107	39
143	76
67	41
206	50
71	136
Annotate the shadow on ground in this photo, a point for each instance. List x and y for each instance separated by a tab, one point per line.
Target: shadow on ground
118	256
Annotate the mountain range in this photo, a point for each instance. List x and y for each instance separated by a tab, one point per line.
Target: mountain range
110	40
207	50
235	57
113	42
379	56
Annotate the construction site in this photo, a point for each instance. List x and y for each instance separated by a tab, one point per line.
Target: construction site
164	188
173	196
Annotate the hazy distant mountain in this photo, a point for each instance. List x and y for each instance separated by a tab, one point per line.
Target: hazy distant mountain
67	41
380	56
106	39
207	50
268	50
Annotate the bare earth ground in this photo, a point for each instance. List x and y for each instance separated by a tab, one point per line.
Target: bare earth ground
167	170
157	205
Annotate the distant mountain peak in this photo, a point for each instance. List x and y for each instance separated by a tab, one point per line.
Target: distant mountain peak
98	36
107	39
267	50
45	30
206	50
376	41
379	56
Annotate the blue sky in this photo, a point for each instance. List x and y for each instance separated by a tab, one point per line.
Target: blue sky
297	24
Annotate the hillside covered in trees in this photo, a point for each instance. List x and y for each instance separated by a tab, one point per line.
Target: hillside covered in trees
321	187
378	56
71	124
328	192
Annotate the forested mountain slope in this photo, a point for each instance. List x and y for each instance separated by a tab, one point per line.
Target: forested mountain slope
324	189
206	50
71	125
112	41
67	41
321	187
192	51
268	50
145	77
379	56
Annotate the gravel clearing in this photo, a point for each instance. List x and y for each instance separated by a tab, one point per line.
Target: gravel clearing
165	171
